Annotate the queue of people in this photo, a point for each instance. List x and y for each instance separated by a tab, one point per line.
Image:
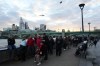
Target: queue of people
41	46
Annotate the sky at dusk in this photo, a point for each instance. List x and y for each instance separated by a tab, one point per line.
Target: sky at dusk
57	16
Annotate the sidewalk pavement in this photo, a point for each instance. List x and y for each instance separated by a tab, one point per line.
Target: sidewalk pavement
93	57
96	53
66	59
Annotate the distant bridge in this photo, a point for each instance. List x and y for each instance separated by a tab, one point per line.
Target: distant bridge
66	33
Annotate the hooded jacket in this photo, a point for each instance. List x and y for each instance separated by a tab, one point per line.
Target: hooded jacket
30	42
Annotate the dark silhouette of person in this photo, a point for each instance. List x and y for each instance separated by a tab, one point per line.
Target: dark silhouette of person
11	46
45	42
23	49
58	46
95	42
51	44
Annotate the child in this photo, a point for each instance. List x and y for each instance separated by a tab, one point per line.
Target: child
37	56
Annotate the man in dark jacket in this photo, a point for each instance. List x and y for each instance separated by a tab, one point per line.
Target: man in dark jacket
11	46
51	44
95	42
45	42
59	46
11	43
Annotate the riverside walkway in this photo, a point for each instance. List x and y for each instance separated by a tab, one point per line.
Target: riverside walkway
66	59
93	57
95	53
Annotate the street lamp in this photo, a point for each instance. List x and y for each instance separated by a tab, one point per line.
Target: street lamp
94	28
81	7
89	26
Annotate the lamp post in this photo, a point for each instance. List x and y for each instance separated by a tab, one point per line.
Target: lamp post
94	28
81	7
89	26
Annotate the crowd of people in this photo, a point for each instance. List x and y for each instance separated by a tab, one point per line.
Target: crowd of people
40	46
88	42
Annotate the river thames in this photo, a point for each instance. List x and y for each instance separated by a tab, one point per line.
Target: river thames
3	43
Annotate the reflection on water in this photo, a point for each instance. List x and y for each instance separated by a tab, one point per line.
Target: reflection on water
3	43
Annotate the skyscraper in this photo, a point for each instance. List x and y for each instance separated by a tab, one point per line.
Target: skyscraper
13	27
26	25
42	27
21	24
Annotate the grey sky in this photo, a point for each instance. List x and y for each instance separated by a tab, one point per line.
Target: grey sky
57	16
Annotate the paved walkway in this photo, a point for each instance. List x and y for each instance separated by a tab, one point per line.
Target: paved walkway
95	51
93	58
66	59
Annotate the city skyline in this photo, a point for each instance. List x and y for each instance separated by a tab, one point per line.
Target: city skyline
56	15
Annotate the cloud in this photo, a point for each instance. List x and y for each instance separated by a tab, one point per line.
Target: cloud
57	16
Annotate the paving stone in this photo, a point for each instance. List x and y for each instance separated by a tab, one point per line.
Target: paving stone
90	58
66	59
84	62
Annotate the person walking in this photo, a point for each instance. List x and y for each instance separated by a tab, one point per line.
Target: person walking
45	41
64	43
51	44
58	46
95	42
